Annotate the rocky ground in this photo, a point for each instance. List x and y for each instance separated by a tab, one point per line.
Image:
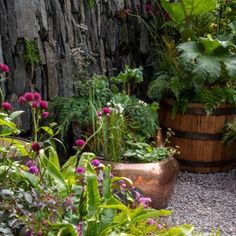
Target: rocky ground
206	200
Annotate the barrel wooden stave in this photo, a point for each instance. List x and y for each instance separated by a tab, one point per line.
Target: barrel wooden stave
198	153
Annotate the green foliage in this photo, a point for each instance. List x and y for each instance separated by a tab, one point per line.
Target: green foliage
188	16
207	76
209	60
195	54
144	152
31	54
7	125
142	118
68	110
129	78
230	132
109	141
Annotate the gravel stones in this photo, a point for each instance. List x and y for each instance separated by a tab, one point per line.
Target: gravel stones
207	201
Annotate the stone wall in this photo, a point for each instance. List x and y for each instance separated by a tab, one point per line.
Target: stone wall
60	28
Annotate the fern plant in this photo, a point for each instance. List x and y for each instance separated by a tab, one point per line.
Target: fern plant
230	132
68	110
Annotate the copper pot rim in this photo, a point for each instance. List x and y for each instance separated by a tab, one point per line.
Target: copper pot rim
162	162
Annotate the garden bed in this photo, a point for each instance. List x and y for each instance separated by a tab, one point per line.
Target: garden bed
207	201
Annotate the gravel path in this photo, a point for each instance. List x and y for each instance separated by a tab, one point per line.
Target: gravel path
206	200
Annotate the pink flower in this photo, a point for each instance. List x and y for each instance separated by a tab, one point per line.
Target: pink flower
37	96
98	113
127	11
35	147
95	162
45	114
22	100
79	142
43	105
35	104
148	8
80	170
4	68
29	96
106	110
34	170
6	106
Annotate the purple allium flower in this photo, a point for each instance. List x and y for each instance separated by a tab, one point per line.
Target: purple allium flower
144	201
43	105
137	194
151	221
22	100
35	104
120	182
30	163
45	114
79	228
4	68
95	162
6	106
35	147
122	186
80	170
37	96
106	110
159	226
34	170
79	142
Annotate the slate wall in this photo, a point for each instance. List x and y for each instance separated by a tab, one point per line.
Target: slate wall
59	29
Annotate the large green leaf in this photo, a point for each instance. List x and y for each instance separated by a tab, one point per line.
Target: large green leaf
51	169
189	51
198	7
15	114
68	170
230	65
107	215
207	67
178	11
7	123
67	230
174	10
53	157
182	230
47	130
86	157
145	214
30	177
94	200
21	145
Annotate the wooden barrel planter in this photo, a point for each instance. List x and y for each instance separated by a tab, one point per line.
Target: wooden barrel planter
200	137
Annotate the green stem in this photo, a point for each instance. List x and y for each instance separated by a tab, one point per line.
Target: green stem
35	124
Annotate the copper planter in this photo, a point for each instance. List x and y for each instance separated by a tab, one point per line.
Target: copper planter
156	180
